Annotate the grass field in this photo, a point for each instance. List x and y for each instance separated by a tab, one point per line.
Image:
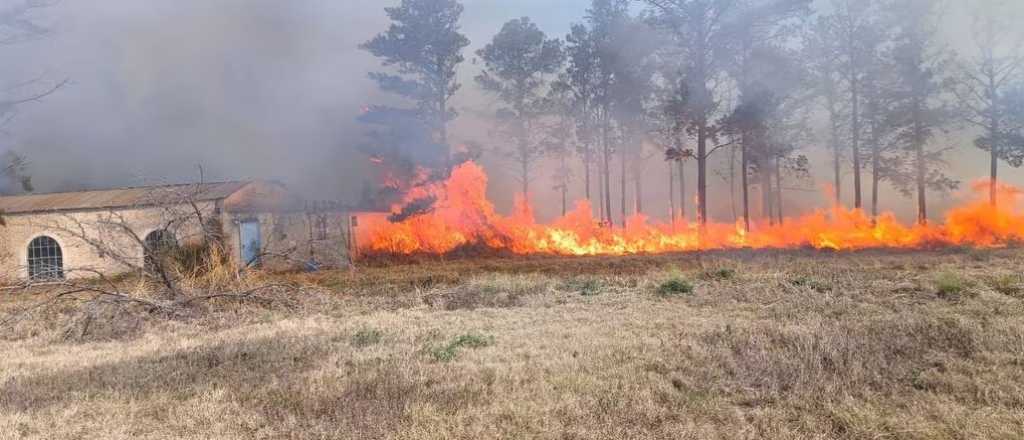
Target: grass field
732	345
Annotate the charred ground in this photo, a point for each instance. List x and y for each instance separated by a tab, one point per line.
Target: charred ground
737	344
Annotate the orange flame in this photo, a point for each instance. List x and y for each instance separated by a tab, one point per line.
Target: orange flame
462	216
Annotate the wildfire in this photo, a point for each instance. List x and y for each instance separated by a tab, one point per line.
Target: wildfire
462	216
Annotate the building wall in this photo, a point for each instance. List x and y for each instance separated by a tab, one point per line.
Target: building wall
294	239
93	240
289	240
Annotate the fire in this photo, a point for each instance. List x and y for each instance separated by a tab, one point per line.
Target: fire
461	216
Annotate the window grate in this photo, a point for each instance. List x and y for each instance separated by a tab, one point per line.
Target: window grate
45	260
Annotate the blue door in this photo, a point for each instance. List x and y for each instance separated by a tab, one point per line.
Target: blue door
249	234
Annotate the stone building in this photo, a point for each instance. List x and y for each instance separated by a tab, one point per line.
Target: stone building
110	232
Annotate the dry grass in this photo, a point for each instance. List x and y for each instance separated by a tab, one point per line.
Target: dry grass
794	345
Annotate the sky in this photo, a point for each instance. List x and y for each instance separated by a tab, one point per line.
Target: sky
241	88
245	88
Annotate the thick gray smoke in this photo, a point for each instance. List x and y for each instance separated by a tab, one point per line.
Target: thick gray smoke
245	88
261	89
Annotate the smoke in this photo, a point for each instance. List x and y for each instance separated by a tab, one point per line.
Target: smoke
243	88
272	89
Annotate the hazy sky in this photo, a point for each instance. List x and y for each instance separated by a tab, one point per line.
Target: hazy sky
247	88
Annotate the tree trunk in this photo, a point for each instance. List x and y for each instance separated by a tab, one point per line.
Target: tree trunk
836	153
702	174
587	163
767	211
703	65
875	179
443	124
855	144
671	193
744	183
524	153
682	189
994	158
600	187
922	201
525	175
778	189
564	182
993	125
565	201
622	184
638	195
876	162
732	182
607	177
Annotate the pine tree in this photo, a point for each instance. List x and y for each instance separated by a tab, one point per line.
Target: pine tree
423	47
517	65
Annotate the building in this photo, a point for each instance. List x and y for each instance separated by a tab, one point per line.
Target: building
110	232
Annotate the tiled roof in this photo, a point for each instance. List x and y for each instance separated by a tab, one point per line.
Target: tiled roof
116	198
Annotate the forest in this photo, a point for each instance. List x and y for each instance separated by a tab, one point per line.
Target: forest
748	105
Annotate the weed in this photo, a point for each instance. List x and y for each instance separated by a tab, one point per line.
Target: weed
720	274
449	351
675	286
584	286
367	337
1009	285
810	283
492	291
949	285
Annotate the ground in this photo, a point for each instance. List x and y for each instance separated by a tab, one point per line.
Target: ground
730	345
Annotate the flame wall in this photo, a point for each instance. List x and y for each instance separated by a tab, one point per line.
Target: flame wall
463	216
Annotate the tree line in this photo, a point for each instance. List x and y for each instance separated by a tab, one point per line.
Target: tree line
689	80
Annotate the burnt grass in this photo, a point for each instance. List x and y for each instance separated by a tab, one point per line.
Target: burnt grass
795	344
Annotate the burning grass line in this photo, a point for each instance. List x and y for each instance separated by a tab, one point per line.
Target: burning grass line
463	222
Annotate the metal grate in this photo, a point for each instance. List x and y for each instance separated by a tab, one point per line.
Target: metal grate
45	260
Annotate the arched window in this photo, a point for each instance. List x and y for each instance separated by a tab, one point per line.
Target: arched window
45	260
159	245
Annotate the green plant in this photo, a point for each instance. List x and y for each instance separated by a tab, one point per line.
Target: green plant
949	285
1009	285
675	286
450	350
367	337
